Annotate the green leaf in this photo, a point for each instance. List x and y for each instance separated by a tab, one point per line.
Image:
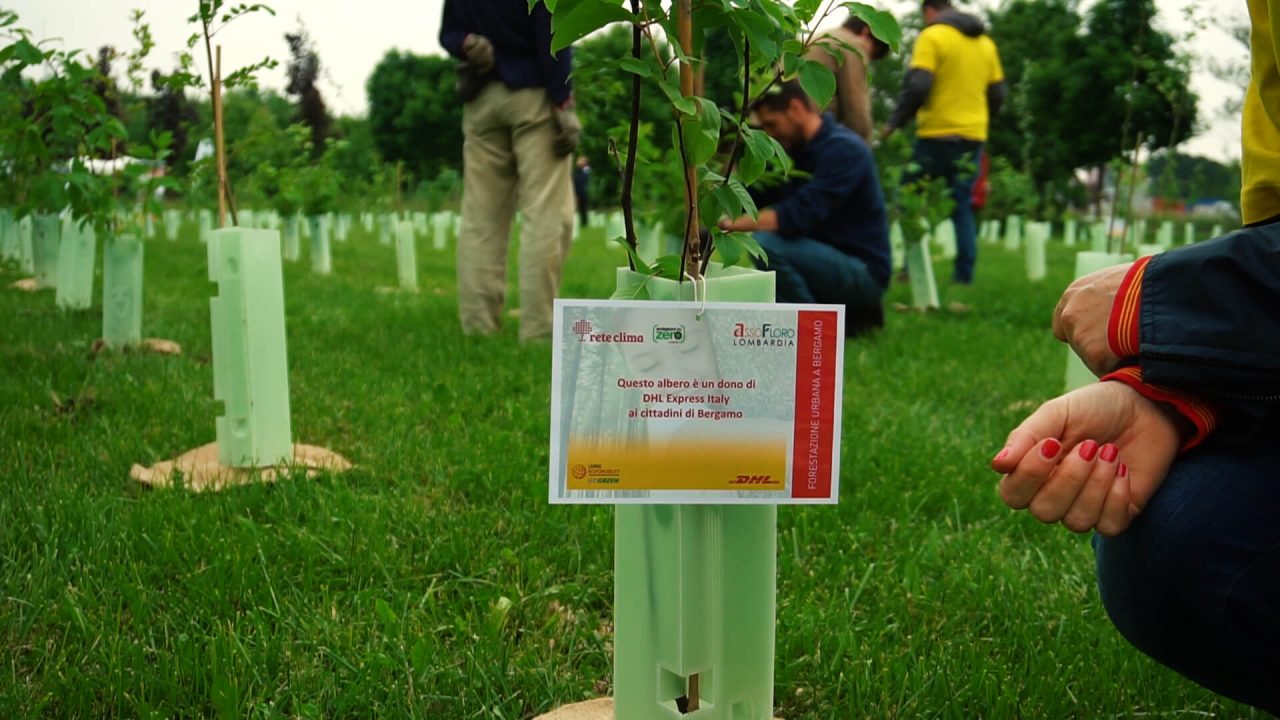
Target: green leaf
386	615
806	9
756	153
640	265
729	249
744	198
591	15
882	24
27	53
683	104
760	30
752	246
636	67
706	135
818	81
668	266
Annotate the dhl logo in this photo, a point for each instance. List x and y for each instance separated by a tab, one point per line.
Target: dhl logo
754	480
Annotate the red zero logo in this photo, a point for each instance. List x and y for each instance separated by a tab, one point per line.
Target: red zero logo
582	329
579	472
754	480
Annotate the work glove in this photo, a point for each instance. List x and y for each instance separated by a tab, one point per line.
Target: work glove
568	130
479	53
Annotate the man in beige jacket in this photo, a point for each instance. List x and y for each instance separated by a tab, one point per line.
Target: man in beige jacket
846	50
519	130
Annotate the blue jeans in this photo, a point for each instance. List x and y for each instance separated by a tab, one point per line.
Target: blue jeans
1195	581
809	271
944	159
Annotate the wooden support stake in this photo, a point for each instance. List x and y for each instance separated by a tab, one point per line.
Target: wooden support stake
693	256
399	195
217	139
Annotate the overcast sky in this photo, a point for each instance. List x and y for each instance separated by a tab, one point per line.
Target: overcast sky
352	36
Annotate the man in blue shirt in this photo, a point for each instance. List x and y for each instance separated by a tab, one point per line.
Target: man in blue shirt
519	131
826	234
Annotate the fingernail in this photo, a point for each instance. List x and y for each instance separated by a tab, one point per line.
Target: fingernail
1088	449
1109	453
1124	470
1049	450
1000	455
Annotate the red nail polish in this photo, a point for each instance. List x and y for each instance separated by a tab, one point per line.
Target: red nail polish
1109	453
1088	449
1124	470
1001	455
1049	450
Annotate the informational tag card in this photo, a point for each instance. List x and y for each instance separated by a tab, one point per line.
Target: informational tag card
676	402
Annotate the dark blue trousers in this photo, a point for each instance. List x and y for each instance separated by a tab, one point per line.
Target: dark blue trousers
956	161
1195	581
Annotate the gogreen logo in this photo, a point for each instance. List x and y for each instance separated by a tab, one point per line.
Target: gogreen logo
579	471
673	335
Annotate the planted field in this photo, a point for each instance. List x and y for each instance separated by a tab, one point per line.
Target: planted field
434	580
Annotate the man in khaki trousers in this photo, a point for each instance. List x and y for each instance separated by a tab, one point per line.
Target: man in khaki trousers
519	132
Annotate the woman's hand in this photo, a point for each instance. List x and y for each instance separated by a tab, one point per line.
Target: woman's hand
1091	458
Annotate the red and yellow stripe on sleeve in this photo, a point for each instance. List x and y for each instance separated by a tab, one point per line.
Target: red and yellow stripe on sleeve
1197	412
1122	329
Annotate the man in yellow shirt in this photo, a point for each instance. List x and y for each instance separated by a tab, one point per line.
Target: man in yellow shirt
954	84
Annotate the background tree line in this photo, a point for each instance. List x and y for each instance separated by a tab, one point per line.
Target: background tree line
1086	89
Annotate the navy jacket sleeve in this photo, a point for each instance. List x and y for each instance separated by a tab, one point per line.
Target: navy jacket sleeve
555	68
834	178
1210	318
452	30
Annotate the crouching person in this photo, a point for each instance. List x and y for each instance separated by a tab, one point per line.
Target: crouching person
825	231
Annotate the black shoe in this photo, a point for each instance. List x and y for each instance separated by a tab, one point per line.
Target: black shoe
862	320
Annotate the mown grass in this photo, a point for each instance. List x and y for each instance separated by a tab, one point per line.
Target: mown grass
434	581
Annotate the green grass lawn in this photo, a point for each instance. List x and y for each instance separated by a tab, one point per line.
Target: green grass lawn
434	580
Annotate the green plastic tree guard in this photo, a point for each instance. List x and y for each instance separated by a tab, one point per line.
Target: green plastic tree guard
695	585
406	256
122	291
1188	233
1078	374
149	225
1098	238
206	226
386	228
8	236
1012	232
1146	249
945	234
77	255
421	224
172	222
1037	235
897	246
292	244
1069	232
1215	231
26	254
441	225
340	227
246	218
46	235
250	368
924	290
321	259
616	227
